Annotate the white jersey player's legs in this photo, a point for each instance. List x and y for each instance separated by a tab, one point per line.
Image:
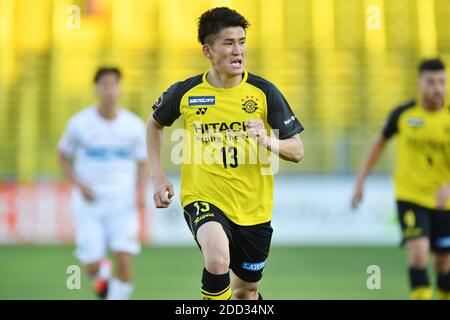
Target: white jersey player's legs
90	231
119	290
122	229
105	270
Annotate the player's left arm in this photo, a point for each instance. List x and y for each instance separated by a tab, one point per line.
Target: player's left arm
285	140
290	149
141	187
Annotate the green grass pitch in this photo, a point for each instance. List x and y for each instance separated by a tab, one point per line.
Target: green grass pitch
292	272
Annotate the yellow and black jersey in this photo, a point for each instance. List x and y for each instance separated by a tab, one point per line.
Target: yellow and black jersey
423	152
221	164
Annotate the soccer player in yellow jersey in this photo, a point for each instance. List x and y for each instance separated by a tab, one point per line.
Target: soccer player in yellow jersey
229	116
422	178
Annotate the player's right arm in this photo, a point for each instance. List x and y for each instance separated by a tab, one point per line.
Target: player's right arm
375	152
165	111
162	187
66	150
67	167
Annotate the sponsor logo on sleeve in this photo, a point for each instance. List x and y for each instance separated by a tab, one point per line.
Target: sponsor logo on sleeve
286	122
158	101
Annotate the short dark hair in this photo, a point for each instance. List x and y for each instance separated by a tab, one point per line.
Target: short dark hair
214	20
431	65
105	70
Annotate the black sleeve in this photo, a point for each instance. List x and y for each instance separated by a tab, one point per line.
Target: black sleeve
391	126
167	108
280	115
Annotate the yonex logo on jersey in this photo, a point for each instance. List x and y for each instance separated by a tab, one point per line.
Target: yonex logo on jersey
201	111
415	122
202	101
253	266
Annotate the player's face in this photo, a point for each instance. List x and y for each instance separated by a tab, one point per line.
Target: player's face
433	85
228	52
108	89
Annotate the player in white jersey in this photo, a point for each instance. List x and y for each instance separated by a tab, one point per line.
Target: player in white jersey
103	152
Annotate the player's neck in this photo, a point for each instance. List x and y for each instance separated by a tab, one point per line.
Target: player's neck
107	112
431	105
222	81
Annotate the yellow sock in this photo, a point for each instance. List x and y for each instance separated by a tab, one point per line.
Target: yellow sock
443	295
222	295
422	293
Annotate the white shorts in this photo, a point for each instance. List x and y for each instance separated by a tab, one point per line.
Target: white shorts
103	224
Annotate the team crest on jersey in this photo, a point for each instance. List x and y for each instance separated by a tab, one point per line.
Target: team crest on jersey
414	122
249	104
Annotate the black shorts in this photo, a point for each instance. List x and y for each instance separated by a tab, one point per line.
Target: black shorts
417	221
249	245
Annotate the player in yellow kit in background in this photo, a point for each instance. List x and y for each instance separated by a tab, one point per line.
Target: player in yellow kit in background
227	197
422	179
